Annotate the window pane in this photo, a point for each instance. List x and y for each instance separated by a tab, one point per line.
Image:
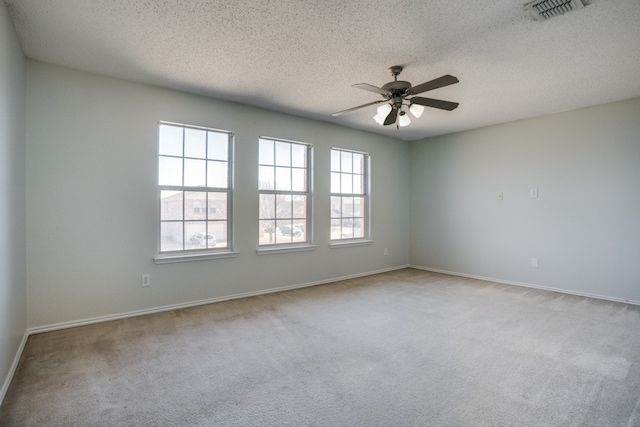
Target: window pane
335	182
347	229
335	229
299	233
336	207
217	205
195	205
283	206
217	229
358	203
170	205
283	179
195	143
195	235
170	140
218	146
267	206
170	236
347	206
283	154
346	183
266	154
170	171
283	234
267	232
358	184
346	164
298	179
358	163
299	207
299	155
266	178
217	174
335	160
194	173
358	231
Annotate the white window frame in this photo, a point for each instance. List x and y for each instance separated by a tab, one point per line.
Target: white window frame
183	254
274	248
366	196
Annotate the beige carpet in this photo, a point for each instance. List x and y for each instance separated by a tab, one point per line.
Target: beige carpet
405	348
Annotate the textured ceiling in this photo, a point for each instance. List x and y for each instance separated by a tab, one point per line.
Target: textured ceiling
301	57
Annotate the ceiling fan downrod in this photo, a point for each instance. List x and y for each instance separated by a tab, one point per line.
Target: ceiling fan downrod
395	71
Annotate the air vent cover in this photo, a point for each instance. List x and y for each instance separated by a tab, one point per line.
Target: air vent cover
546	9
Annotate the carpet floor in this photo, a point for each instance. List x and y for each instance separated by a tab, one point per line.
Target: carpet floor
404	348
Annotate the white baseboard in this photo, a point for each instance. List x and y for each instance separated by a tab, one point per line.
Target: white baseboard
528	285
75	323
14	366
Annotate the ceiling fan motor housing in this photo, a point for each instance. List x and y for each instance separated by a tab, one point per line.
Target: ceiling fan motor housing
398	87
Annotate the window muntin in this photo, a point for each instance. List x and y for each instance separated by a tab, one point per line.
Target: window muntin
194	180
284	191
349	194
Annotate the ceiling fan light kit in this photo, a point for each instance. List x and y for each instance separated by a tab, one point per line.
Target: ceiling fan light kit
398	94
383	111
416	110
403	119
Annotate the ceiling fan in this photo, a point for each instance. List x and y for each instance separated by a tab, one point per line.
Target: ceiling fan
399	93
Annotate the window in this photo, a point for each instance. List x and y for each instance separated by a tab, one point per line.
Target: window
194	177
349	194
285	196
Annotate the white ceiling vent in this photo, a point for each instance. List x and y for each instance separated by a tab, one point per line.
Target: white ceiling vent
547	9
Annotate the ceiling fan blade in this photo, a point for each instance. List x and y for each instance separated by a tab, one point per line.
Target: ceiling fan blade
434	84
435	103
358	107
371	88
391	118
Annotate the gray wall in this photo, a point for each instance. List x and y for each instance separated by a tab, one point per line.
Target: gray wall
584	227
92	208
13	286
92	198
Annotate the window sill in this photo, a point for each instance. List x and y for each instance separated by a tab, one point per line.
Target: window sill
339	244
285	249
167	259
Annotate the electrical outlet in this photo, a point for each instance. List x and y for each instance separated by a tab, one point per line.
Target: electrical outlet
500	196
534	193
386	252
146	280
534	262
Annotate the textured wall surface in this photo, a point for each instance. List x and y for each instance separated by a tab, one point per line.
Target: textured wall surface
584	226
13	281
92	198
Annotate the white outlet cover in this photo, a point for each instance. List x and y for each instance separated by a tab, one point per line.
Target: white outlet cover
146	280
534	262
534	193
